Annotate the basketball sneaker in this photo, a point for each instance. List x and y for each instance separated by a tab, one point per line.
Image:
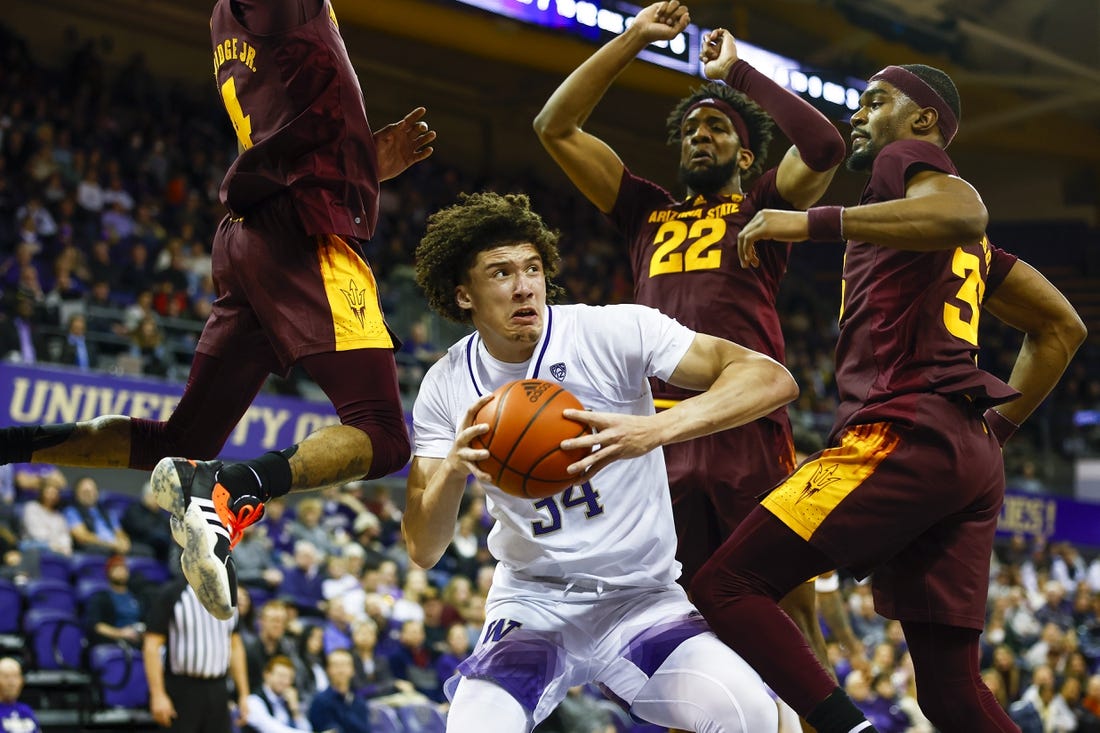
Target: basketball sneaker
207	522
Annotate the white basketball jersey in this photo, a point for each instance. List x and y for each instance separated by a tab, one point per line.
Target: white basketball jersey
616	528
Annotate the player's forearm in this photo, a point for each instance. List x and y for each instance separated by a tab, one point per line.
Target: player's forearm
922	224
238	666
573	101
743	392
154	664
819	143
1042	359
428	523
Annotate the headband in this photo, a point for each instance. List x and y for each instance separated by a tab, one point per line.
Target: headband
924	95
725	108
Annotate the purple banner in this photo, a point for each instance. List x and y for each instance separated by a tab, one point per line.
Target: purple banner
1056	519
35	394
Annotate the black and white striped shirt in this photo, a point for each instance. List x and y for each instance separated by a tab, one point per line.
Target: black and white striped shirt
197	643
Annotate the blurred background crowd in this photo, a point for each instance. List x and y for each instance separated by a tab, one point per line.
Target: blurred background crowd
108	201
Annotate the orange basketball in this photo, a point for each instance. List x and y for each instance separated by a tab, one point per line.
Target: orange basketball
526	429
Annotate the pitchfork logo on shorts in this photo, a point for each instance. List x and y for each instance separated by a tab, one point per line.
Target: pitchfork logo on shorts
357	301
821	479
558	370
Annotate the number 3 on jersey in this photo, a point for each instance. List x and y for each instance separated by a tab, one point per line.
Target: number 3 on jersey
588	497
242	123
966	266
701	253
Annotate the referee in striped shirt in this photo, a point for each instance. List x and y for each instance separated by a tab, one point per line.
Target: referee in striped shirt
188	654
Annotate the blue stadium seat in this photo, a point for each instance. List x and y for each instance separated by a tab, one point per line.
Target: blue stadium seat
383	719
149	569
120	672
87	588
422	718
52	565
55	638
11	606
49	593
88	566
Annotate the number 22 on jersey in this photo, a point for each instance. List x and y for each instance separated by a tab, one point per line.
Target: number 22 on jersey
700	253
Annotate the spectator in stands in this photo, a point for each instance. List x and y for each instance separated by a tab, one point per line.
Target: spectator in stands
415	662
343	587
76	349
93	527
20	338
1043	696
337	628
306	525
14	715
1088	710
115	614
374	679
464	550
311	650
136	274
257	566
337	708
407	606
147	344
44	524
143	522
302	581
273	706
457	648
270	641
578	712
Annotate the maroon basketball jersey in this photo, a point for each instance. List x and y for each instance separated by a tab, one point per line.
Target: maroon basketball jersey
684	257
296	105
909	320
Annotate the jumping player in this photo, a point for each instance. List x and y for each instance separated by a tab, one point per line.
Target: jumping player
293	288
912	482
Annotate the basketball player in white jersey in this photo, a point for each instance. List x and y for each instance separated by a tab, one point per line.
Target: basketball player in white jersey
585	586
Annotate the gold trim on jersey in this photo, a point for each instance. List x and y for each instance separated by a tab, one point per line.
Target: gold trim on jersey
352	297
810	494
663	404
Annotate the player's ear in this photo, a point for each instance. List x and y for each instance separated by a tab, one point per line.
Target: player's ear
462	297
926	121
745	159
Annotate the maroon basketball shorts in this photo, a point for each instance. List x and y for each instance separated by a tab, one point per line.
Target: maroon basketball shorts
716	480
283	294
916	505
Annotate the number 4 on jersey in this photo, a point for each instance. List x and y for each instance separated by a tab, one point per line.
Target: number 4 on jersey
242	123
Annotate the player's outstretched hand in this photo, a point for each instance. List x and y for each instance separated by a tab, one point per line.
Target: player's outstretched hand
774	224
661	21
463	455
401	144
718	53
614	435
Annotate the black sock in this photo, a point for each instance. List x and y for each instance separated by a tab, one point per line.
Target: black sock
267	477
18	444
838	714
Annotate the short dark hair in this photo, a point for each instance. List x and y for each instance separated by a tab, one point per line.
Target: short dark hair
940	82
479	221
759	125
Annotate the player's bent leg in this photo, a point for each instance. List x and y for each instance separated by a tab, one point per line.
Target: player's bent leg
704	686
483	706
949	684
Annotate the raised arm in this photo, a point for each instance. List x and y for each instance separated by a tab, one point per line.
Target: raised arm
740	386
818	148
589	162
1052	332
433	492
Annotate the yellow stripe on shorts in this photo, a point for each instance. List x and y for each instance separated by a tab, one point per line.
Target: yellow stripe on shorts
352	297
806	498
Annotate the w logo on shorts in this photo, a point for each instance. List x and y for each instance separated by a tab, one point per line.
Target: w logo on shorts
497	630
